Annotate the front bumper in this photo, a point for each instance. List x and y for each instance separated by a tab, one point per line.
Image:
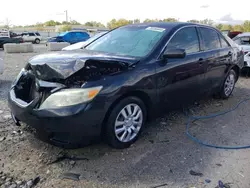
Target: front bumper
69	127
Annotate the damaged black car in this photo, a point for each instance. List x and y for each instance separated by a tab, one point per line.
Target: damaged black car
110	88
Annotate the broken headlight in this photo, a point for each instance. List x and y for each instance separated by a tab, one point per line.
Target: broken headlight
69	97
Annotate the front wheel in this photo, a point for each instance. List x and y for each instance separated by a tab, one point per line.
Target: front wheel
228	85
125	122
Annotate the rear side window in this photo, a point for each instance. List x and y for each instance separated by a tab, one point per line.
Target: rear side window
187	39
224	43
31	34
210	39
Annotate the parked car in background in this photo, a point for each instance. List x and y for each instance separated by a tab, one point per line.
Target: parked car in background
81	45
231	34
71	37
33	37
7	36
121	79
243	40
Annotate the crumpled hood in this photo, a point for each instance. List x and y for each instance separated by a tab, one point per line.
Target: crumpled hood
61	65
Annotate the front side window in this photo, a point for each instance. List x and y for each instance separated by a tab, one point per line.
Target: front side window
187	39
210	39
31	34
132	41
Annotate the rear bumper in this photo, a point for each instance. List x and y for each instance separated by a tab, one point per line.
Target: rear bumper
65	127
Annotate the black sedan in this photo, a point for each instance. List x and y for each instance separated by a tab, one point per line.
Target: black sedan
120	80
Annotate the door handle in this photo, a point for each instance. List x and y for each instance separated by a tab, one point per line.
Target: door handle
230	53
200	61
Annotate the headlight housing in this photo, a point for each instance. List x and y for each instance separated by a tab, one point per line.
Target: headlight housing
69	97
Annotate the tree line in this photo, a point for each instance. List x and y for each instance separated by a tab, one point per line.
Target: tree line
245	27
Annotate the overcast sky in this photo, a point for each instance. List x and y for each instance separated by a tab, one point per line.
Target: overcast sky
30	12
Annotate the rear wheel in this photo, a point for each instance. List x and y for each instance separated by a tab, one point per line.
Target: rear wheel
37	41
125	122
228	85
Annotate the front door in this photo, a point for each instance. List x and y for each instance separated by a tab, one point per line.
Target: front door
180	80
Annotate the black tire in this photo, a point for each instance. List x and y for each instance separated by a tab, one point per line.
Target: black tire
223	94
109	134
37	41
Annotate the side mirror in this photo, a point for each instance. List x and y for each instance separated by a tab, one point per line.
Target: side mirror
174	53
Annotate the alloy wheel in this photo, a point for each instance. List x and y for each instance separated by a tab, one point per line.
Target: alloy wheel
229	84
128	123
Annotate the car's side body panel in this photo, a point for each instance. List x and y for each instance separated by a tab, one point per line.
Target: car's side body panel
160	83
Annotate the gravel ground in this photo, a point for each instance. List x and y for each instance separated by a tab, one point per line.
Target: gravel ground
163	156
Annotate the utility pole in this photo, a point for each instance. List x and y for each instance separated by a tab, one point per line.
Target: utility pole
66	12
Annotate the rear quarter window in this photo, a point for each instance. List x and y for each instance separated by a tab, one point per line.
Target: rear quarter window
210	39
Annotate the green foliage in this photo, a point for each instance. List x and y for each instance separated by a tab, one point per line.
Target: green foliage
193	21
117	23
227	27
246	26
158	20
238	28
94	24
151	20
170	20
219	26
206	22
51	23
65	28
74	22
137	21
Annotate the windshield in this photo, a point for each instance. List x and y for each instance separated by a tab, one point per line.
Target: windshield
131	41
95	37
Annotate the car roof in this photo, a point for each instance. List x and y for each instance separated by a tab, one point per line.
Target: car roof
66	32
168	25
246	34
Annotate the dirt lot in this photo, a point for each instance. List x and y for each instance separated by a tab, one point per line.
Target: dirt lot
162	157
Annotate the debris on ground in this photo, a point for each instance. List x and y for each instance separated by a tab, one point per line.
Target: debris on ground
207	181
66	157
157	186
193	173
223	185
71	176
218	164
2	138
8	181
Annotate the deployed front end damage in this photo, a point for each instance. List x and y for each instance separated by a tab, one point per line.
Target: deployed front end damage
37	81
52	98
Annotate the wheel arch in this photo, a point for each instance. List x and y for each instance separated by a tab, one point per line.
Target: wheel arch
236	68
237	71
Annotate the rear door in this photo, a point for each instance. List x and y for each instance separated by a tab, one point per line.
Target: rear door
216	58
180	80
